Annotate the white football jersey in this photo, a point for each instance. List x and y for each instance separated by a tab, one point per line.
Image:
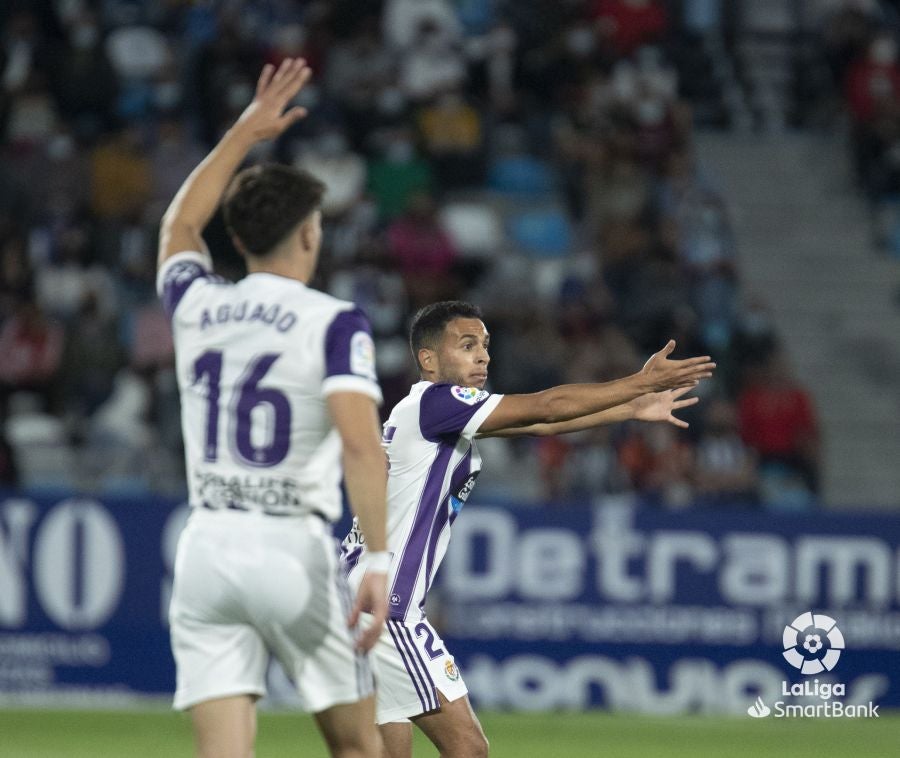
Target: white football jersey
433	463
256	360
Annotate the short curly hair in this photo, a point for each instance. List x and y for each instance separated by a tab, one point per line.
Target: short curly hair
264	203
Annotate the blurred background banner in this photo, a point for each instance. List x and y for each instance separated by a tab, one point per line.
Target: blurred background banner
613	606
84	593
634	609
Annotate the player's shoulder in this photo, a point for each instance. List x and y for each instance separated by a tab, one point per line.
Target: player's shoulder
328	305
443	391
184	272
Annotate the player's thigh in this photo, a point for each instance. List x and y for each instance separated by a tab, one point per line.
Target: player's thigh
397	739
217	653
455	729
349	729
225	727
313	643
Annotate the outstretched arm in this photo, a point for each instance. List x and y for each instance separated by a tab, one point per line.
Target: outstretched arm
575	401
654	406
196	202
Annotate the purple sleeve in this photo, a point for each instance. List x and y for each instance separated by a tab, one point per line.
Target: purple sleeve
445	409
349	350
177	277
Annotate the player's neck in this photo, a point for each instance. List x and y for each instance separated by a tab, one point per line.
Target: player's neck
293	267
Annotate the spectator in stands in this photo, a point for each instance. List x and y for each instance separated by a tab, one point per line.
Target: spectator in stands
659	463
358	73
453	139
31	345
121	178
626	25
778	420
423	252
91	358
398	173
725	468
431	65
84	81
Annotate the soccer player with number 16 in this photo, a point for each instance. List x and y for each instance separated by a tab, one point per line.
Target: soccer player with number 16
278	388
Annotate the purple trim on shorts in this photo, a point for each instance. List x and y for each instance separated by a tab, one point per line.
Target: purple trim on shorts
430	687
414	676
423	522
338	339
351	559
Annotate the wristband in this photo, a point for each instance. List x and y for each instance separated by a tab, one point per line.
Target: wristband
379	562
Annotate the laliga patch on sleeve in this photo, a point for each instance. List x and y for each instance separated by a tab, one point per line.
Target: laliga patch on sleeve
468	395
362	355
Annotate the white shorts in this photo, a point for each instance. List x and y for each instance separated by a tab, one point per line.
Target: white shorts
248	586
411	666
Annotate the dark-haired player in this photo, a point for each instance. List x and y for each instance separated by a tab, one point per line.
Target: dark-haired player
433	463
278	389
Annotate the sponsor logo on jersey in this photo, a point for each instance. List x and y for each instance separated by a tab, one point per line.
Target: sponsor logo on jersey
451	670
362	355
468	395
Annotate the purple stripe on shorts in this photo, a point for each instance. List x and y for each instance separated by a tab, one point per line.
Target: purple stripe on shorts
427	681
417	543
414	677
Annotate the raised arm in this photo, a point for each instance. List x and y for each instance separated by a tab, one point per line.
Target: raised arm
265	118
573	402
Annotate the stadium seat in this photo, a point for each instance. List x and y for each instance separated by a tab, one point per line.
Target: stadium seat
520	175
43	455
475	228
541	233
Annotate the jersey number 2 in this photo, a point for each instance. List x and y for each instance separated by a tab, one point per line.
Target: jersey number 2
248	396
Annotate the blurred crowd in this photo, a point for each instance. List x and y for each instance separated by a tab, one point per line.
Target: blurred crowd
536	158
859	40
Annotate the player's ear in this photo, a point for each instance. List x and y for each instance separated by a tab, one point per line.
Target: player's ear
427	359
236	241
309	231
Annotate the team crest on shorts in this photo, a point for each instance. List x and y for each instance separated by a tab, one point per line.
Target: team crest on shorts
451	671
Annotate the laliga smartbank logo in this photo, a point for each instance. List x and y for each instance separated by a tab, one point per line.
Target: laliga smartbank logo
812	644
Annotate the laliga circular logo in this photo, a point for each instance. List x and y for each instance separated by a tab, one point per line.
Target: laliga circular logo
812	643
465	393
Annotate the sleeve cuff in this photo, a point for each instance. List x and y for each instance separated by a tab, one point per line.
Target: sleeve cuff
351	383
203	259
480	415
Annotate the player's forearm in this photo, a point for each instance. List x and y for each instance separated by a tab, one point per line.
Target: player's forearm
199	196
365	477
576	402
614	415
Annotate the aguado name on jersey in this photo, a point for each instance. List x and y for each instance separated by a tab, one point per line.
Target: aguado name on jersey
245	312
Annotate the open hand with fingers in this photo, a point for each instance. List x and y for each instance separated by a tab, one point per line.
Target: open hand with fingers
661	374
265	118
661	406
